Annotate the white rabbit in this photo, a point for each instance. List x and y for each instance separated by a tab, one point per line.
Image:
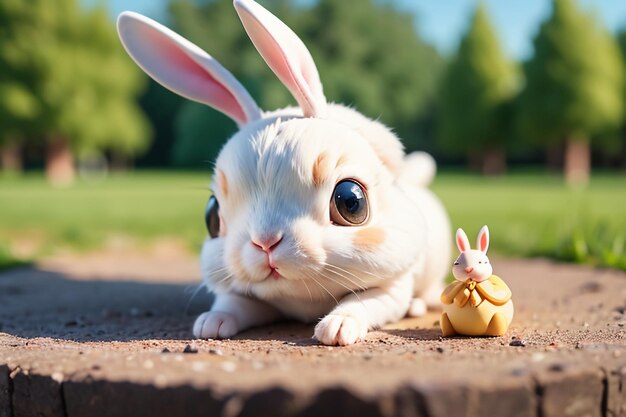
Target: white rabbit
320	215
478	303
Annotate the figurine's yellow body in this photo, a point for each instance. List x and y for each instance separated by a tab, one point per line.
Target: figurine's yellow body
476	309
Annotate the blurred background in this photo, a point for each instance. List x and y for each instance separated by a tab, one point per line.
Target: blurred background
519	102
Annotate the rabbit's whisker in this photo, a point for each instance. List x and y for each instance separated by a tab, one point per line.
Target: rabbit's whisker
349	273
307	289
356	284
321	286
193	295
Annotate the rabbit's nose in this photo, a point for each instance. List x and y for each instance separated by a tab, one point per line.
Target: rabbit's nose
268	243
469	269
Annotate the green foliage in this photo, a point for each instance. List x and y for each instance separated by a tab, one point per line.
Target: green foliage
198	126
596	244
477	92
67	76
388	72
19	106
574	81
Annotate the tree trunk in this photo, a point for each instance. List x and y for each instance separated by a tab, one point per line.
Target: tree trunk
11	157
577	161
494	162
59	162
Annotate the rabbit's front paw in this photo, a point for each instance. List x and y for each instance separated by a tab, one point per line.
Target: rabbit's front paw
336	329
215	325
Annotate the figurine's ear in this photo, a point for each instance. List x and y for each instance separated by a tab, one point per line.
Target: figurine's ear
184	68
483	239
461	241
285	54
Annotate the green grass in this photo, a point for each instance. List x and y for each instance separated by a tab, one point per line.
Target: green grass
537	215
142	205
528	214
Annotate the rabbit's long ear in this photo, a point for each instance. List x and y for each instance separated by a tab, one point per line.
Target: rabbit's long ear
461	241
285	54
483	239
184	68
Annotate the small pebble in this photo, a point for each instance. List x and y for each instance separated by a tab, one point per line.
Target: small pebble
216	352
440	349
517	343
165	350
189	349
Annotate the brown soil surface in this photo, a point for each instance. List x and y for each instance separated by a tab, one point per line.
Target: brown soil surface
102	335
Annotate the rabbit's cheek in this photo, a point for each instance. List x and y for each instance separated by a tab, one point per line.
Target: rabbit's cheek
234	260
369	238
307	239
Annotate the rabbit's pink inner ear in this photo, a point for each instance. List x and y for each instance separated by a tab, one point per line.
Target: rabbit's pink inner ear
184	68
197	84
460	244
483	240
461	241
285	54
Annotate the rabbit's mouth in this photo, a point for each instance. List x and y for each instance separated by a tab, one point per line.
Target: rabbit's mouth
274	274
475	278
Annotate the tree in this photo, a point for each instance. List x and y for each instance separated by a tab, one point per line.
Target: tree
82	86
476	98
620	145
374	60
19	107
387	73
574	87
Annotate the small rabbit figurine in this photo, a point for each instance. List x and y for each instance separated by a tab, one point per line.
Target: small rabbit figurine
478	303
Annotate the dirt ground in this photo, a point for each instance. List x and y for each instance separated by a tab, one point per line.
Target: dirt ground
105	334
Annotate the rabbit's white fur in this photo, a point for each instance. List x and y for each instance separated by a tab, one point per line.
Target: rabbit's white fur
276	177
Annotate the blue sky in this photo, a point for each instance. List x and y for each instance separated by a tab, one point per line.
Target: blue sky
442	22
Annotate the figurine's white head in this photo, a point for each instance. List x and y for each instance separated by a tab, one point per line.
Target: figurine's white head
472	263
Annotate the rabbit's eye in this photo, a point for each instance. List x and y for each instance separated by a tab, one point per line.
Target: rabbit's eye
348	206
456	263
212	217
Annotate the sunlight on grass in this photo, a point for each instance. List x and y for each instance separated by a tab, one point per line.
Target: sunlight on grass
528	214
